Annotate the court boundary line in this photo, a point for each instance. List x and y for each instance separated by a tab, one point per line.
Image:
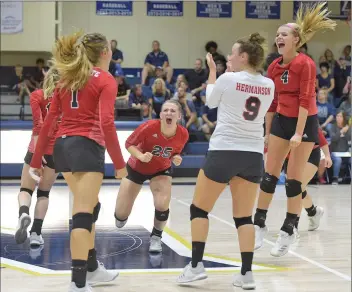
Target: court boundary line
313	262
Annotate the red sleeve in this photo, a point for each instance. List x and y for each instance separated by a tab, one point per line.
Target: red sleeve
322	139
274	103
138	135
34	101
107	121
307	83
47	131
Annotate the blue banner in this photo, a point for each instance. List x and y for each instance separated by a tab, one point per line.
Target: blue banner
117	8
263	9
165	8
297	4
345	9
214	9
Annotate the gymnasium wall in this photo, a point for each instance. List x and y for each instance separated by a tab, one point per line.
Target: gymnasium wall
183	38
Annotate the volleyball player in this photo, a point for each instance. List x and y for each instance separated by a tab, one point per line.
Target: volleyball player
153	146
40	102
235	155
84	100
294	127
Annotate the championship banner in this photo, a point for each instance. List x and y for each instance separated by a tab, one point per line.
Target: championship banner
11	17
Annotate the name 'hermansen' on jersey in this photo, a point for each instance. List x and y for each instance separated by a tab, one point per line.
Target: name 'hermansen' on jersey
253	89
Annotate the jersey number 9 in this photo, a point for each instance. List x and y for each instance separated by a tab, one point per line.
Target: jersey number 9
252	108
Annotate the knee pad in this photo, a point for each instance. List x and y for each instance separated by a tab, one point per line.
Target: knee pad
243	221
41	193
162	215
293	188
304	194
268	183
96	212
198	213
29	191
83	221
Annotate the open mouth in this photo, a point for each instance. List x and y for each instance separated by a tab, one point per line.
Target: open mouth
168	121
280	45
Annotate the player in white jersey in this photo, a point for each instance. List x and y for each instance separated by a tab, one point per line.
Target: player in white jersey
235	155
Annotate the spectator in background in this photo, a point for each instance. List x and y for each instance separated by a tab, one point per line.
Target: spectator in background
210	117
123	92
38	76
326	111
340	134
160	95
189	115
196	78
212	48
220	68
304	50
159	73
116	59
271	57
325	80
345	59
184	86
20	84
138	101
156	58
346	107
329	58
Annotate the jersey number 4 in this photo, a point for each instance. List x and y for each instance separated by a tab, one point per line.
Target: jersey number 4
252	108
284	77
74	99
48	107
163	152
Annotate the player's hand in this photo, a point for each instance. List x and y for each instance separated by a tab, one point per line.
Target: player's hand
328	161
210	62
120	173
295	140
36	173
146	157
177	160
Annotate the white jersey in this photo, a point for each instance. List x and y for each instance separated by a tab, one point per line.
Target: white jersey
242	99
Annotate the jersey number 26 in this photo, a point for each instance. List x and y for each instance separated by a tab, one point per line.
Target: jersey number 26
252	107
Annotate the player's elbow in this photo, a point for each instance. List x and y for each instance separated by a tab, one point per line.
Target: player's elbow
304	103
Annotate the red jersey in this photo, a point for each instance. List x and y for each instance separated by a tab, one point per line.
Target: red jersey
40	107
88	112
148	138
294	86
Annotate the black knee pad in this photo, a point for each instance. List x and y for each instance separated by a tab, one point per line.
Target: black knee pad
293	188
268	183
162	215
304	194
96	212
29	191
41	193
198	213
82	220
243	221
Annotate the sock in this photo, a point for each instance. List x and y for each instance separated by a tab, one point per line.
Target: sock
23	209
247	258
197	252
92	260
156	232
79	273
37	226
260	217
297	222
311	211
289	223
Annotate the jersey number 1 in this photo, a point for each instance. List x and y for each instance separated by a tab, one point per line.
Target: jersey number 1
74	99
252	108
284	77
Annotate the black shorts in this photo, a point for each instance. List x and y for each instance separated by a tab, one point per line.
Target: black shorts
221	165
49	160
140	178
78	154
314	159
285	128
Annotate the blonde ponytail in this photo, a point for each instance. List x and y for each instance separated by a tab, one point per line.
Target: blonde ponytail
50	80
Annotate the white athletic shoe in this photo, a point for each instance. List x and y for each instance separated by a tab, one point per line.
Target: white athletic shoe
246	282
73	288
259	236
190	274
155	244
21	231
282	244
314	221
296	234
101	275
36	239
120	224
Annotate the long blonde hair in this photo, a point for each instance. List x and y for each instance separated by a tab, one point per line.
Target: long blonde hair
74	57
309	20
50	80
163	86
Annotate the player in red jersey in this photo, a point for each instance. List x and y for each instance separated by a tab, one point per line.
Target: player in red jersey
40	101
295	125
84	101
154	145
